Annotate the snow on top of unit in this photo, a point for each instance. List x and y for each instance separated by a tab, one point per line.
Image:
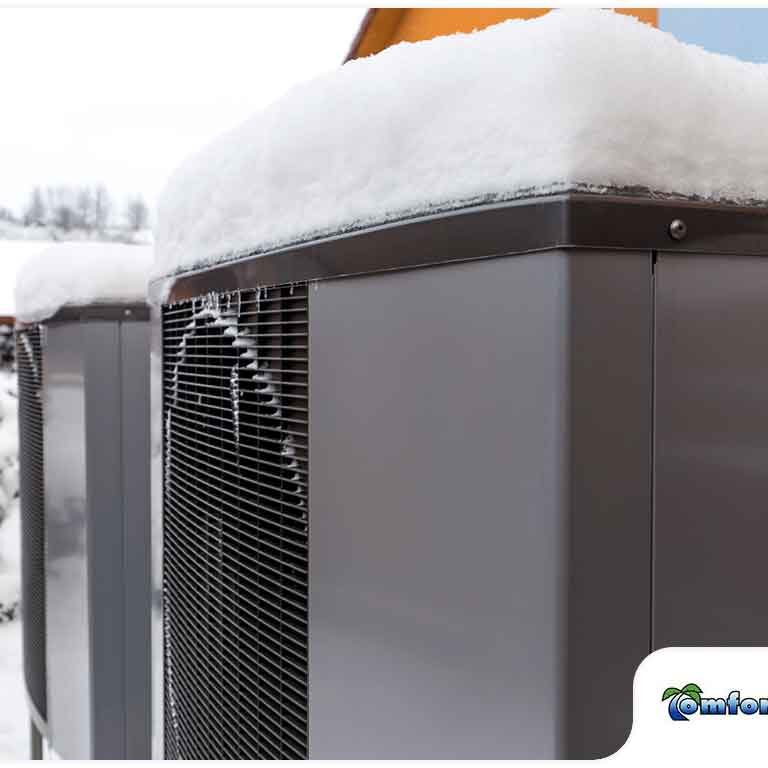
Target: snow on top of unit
79	273
576	99
13	255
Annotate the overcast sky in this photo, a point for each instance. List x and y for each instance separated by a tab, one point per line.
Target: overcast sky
121	95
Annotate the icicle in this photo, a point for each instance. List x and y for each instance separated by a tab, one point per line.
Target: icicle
30	355
168	447
234	386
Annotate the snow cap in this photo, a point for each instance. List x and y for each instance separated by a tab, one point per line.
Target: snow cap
574	100
81	273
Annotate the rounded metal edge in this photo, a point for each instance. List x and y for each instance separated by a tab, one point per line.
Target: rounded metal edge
476	231
37	718
567	220
157	640
73	313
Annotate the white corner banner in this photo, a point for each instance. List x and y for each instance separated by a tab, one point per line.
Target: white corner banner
708	703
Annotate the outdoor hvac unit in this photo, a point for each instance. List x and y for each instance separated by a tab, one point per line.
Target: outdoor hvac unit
435	489
84	440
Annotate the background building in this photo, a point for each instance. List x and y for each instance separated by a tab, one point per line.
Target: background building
736	31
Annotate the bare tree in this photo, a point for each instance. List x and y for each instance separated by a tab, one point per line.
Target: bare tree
84	207
137	214
102	207
35	213
62	207
67	208
64	217
52	200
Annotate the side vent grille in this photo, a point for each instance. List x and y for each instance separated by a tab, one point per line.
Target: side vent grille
30	367
235	520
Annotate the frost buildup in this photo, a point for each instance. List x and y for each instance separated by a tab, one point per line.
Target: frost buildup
222	311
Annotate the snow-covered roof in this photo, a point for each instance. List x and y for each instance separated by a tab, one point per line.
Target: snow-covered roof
81	273
577	99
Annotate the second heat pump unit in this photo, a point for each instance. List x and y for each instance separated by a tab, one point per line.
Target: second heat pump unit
84	442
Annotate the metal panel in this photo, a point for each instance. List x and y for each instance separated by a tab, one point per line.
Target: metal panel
638	222
609	572
480	536
69	696
134	345
106	563
117	414
156	529
30	366
711	448
439	487
235	525
97	506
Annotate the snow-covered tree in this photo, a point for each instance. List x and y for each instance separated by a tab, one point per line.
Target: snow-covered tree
137	214
102	207
36	213
10	575
7	346
85	208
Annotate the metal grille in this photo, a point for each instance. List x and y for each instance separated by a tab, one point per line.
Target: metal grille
235	544
30	367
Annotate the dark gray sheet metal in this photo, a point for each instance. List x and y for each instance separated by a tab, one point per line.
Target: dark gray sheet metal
480	535
97	515
711	448
135	363
67	595
609	571
156	533
106	560
106	312
117	439
436	539
573	220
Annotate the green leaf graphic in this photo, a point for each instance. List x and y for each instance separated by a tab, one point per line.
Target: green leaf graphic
669	692
694	692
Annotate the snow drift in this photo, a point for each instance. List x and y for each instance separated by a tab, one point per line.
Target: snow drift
81	273
577	99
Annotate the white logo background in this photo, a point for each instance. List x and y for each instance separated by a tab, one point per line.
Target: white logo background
657	739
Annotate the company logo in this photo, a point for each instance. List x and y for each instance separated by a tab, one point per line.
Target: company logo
687	701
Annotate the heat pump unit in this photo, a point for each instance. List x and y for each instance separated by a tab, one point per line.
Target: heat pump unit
426	487
84	429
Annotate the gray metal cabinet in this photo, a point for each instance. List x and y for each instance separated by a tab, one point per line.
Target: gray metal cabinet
508	445
90	381
472	495
711	518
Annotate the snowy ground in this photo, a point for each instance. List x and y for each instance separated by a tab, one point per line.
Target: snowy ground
17	232
14	728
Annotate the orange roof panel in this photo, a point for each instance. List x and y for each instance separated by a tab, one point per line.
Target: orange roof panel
383	27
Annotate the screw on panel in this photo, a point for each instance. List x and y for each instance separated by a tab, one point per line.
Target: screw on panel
678	229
